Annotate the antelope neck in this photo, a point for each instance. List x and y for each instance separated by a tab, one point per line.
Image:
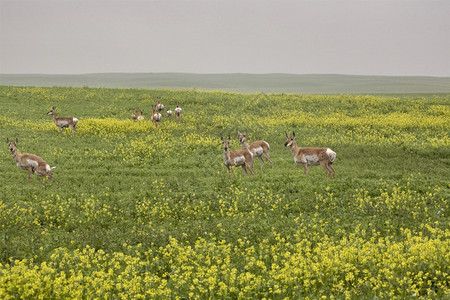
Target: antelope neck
293	147
15	153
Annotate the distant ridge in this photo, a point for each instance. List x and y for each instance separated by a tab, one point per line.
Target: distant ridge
242	83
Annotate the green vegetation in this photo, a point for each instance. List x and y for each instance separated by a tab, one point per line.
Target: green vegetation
243	83
138	211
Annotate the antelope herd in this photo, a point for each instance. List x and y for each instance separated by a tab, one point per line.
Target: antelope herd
156	116
306	156
245	157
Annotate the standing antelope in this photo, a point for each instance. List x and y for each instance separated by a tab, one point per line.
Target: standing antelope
141	116
134	115
62	122
30	162
311	156
178	113
257	148
156	116
234	158
159	106
169	113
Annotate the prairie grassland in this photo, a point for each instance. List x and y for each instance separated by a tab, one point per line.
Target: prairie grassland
138	211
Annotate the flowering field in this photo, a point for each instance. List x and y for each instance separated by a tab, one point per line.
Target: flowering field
137	211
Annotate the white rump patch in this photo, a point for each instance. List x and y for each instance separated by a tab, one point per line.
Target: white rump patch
75	121
48	168
331	154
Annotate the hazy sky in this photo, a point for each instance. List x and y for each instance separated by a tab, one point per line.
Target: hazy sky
361	37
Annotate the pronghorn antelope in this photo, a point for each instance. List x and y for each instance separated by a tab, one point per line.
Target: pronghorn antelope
169	113
235	158
311	156
159	106
178	113
257	148
30	162
141	116
62	122
156	116
134	115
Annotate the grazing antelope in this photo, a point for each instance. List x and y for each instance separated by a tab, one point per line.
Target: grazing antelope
178	113
235	158
311	156
62	122
156	116
159	106
30	162
169	113
257	148
134	115
141	116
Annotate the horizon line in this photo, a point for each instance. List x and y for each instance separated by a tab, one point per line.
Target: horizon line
232	73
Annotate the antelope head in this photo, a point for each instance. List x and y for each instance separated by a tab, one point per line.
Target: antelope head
225	144
52	111
289	139
242	136
12	145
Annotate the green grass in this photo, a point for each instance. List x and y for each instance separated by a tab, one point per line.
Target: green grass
160	200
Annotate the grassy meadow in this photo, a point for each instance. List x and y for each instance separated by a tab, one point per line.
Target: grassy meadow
137	211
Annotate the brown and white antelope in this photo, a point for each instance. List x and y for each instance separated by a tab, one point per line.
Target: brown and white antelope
134	115
236	158
257	148
311	156
30	162
156	116
159	106
169	113
62	122
178	113
141	116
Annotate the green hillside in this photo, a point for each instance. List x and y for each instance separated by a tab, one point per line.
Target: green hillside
243	83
